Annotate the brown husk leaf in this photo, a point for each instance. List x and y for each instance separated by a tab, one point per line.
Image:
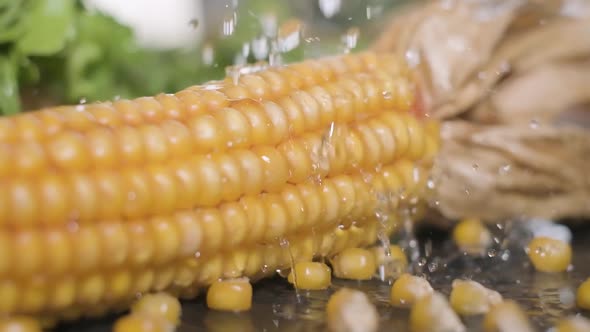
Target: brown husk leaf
511	82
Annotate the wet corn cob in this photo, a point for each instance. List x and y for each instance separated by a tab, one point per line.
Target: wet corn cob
236	178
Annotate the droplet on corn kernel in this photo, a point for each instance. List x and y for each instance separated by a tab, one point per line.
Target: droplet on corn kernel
549	255
506	317
230	295
407	289
471	236
355	264
433	313
310	276
350	310
162	304
472	298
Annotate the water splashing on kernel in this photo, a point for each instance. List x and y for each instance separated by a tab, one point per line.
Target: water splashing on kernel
289	35
350	39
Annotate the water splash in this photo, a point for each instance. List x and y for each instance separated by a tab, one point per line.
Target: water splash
350	39
329	8
208	54
260	48
289	35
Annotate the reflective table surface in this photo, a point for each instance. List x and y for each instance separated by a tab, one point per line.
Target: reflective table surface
277	307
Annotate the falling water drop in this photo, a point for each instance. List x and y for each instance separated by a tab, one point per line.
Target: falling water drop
329	7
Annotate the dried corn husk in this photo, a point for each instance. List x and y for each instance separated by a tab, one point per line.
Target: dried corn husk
511	81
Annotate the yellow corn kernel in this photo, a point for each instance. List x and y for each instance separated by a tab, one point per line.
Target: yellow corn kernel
472	236
310	276
19	324
350	310
397	257
354	263
142	323
506	317
583	295
407	289
161	304
230	295
472	298
432	313
549	255
573	324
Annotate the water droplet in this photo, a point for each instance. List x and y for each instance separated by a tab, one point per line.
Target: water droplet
534	124
208	54
412	57
82	101
467	192
350	38
80	108
268	21
229	24
567	297
475	167
505	169
374	9
387	95
260	48
329	7
245	50
289	35
505	255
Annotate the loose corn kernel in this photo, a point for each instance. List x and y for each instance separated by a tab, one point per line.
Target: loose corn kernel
142	323
472	236
162	304
396	259
583	295
19	324
573	324
549	255
350	310
506	317
230	295
407	289
310	276
355	264
433	313
472	298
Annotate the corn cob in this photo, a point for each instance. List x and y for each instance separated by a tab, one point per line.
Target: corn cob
101	202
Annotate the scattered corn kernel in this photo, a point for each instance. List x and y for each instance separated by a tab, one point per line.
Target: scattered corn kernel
506	317
230	295
433	313
355	264
162	304
396	256
350	310
573	324
19	324
407	289
472	298
142	323
311	276
583	295
472	236
549	255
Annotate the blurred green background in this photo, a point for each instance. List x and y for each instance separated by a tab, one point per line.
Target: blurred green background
62	52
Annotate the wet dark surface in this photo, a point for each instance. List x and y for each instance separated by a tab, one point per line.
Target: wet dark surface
546	297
